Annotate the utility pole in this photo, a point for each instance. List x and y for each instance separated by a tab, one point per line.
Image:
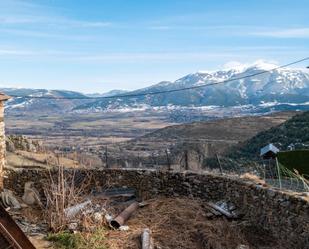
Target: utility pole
221	171
186	160
106	157
167	153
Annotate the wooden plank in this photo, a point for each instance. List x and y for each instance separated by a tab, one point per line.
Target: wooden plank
221	210
12	233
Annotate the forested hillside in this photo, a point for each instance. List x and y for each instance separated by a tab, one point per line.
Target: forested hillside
294	133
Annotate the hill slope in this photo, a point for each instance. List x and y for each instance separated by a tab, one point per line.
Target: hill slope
294	132
213	137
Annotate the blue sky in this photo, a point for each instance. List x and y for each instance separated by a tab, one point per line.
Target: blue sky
99	45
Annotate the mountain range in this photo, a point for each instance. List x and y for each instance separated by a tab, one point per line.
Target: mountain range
282	88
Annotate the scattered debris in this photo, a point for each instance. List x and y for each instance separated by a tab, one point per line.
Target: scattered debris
124	216
181	223
73	226
11	236
8	199
71	212
224	208
108	218
243	247
117	192
124	228
98	217
146	239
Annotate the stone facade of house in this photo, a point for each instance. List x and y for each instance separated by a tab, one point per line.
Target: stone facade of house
3	98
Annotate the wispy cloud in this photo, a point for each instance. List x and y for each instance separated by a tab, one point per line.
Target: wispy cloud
45	34
15	52
152	57
110	57
14	13
59	21
204	54
284	33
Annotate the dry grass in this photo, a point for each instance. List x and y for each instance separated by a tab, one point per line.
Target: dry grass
253	178
25	159
61	193
178	223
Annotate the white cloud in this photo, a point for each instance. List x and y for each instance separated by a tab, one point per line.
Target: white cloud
17	13
265	64
284	33
153	57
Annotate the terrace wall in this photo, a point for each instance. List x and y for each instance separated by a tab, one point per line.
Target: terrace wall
285	215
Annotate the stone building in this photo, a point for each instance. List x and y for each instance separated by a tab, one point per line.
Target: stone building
3	98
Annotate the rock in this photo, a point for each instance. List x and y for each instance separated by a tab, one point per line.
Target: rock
98	217
124	228
39	242
73	226
31	195
242	247
187	184
16	142
108	218
8	199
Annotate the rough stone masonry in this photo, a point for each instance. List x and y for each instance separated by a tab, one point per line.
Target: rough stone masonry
284	214
3	98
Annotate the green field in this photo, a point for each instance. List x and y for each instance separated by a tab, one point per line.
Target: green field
296	159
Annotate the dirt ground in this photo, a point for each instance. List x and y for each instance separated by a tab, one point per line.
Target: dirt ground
178	223
182	223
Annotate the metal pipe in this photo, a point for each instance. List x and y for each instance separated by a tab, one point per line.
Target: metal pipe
146	239
121	219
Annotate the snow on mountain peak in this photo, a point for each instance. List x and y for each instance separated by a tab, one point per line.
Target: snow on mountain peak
263	65
241	67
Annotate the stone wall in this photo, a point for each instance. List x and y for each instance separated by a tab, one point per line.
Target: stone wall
2	142
285	215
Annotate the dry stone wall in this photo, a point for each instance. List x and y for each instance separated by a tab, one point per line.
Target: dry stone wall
285	215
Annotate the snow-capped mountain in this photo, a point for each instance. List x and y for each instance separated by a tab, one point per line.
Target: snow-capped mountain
49	105
107	94
21	104
285	85
284	88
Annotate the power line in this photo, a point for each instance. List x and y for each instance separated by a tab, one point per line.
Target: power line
164	91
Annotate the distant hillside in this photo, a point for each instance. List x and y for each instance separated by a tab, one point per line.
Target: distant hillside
292	133
212	137
107	94
279	87
35	105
